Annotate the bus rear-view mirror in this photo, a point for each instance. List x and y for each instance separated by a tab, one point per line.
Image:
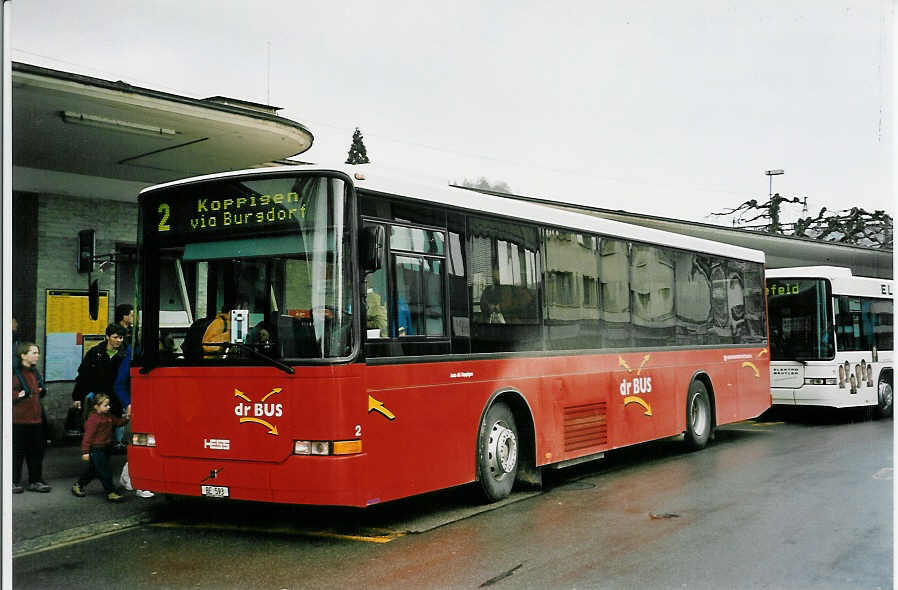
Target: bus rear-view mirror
372	243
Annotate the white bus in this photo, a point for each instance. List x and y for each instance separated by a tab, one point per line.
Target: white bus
830	338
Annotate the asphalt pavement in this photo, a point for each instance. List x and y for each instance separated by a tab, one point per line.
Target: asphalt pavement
46	520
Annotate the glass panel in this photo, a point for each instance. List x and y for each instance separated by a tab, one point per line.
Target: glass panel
736	301
572	308
799	314
882	310
459	287
755	310
721	330
505	280
376	302
692	300
652	294
419	297
414	239
614	273
862	323
432	294
296	286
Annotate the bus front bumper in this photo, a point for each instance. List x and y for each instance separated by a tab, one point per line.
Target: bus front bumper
823	395
300	479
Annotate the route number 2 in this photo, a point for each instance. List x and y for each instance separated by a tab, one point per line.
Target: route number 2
165	210
358	430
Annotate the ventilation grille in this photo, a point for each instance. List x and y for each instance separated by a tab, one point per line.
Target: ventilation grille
585	426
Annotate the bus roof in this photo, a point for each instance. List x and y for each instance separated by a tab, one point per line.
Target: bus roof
369	179
842	280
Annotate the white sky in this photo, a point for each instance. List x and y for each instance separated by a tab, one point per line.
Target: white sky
657	107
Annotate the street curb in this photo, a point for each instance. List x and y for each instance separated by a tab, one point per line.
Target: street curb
78	535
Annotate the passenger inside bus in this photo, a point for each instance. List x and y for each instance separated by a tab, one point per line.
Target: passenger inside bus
376	315
210	337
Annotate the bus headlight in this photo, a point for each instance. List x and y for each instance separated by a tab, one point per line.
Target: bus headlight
327	447
139	439
820	381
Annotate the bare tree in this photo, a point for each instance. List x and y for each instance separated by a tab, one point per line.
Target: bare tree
854	226
484	184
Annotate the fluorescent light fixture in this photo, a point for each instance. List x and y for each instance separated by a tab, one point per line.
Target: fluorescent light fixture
116	124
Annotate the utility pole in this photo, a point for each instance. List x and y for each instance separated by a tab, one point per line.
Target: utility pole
771	174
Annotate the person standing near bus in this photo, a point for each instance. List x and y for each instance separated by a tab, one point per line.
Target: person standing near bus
98	432
98	371
28	439
124	314
124	317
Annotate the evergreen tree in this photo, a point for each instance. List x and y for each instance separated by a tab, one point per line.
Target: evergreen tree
357	152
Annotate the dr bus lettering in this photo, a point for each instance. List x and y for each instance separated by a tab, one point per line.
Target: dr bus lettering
259	410
636	386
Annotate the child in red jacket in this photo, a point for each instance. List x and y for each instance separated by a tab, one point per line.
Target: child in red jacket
98	434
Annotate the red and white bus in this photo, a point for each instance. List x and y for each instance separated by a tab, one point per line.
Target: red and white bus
385	339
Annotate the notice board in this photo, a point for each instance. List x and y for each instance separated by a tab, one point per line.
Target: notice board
67	323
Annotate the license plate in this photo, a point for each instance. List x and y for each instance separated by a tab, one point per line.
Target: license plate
215	491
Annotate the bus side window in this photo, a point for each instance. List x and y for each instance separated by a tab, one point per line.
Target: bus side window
505	284
419	296
614	273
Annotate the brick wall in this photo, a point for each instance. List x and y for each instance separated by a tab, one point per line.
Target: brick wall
60	218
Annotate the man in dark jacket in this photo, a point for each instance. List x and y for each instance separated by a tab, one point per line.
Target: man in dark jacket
99	368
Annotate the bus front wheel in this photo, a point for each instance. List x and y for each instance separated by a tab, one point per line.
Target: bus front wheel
886	398
698	416
497	456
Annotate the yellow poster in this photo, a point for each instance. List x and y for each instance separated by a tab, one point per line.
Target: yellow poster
67	312
69	329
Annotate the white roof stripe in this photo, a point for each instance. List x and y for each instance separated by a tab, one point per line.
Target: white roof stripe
506	207
842	280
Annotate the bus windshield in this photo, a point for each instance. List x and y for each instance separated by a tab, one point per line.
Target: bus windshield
272	250
800	312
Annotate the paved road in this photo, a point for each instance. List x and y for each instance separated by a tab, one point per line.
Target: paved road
767	505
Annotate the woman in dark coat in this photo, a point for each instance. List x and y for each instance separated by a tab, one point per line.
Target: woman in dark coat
28	438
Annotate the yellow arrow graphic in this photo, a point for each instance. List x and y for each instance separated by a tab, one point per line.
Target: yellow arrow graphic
240	394
632	399
645	359
752	367
378	406
762	353
622	363
271	393
272	429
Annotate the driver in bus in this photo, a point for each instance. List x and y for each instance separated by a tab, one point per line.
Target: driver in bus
218	333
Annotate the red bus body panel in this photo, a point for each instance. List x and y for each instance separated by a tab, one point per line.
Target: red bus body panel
418	422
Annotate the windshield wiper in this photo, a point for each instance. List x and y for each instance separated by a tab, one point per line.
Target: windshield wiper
273	362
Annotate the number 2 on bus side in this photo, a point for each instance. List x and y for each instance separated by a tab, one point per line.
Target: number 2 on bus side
358	430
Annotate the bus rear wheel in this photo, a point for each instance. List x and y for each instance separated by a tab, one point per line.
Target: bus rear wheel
698	416
497	452
886	398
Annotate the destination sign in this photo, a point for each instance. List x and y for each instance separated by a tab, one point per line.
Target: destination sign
199	214
783	289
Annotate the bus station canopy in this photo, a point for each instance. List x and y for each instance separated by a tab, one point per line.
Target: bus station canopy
83	136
